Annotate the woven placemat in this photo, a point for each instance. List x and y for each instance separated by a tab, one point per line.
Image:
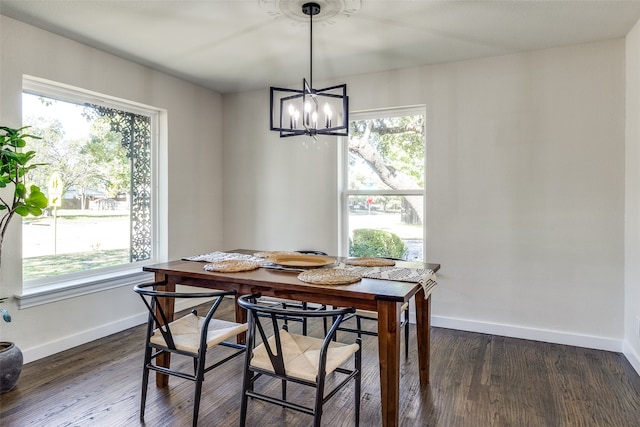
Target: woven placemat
329	276
370	262
232	266
271	254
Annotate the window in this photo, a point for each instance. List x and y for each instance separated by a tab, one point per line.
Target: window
97	170
383	195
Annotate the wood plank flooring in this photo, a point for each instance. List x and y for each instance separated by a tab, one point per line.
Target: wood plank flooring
476	380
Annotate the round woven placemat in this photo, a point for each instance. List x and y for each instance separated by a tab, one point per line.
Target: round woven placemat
329	276
271	254
371	262
232	265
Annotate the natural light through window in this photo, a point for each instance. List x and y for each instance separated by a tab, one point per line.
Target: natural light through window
383	197
96	171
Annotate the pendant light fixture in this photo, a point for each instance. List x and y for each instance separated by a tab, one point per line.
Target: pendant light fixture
310	111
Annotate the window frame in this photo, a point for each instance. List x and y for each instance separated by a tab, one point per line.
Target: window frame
343	179
44	290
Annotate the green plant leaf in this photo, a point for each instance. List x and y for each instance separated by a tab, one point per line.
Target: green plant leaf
34	210
14	164
22	210
36	199
24	158
21	190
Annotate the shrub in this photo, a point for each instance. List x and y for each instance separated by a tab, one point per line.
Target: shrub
376	243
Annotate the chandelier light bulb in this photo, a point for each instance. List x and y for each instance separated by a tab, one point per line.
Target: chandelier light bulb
292	112
307	112
327	115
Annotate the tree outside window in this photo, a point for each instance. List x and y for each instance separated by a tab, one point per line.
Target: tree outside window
99	160
384	189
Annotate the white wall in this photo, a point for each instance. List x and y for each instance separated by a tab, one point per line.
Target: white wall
278	193
194	155
632	199
525	184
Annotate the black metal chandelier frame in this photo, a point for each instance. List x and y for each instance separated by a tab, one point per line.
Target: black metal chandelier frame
308	100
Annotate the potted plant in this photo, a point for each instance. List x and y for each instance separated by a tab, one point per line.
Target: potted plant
15	162
10	359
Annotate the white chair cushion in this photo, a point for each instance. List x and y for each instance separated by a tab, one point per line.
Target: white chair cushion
186	332
302	355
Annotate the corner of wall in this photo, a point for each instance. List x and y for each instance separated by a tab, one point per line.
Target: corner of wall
632	199
632	356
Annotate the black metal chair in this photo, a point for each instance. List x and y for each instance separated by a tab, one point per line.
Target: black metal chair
307	252
296	358
290	304
366	315
190	336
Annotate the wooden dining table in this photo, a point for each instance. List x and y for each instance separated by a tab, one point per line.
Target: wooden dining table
382	296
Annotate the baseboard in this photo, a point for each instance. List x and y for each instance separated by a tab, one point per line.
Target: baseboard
543	335
632	356
65	343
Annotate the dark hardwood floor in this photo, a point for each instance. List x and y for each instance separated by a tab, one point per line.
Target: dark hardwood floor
476	380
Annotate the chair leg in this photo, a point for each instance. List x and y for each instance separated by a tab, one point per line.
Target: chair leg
145	380
317	407
196	396
284	307
304	320
333	319
248	375
358	387
143	399
406	334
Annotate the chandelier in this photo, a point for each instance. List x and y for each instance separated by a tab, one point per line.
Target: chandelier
310	111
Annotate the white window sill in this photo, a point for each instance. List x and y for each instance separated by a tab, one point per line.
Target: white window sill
45	294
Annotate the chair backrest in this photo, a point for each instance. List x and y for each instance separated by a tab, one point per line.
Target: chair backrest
312	252
259	313
151	297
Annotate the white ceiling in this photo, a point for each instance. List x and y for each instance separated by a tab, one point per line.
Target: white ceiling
238	45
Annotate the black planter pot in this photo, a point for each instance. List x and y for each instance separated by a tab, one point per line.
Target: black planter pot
10	365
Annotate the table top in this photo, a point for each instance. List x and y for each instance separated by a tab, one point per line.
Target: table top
287	282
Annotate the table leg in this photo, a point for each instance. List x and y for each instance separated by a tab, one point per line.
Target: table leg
162	380
389	356
423	331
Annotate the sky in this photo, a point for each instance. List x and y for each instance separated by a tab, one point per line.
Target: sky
74	125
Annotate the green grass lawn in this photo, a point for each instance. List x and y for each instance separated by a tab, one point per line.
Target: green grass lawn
52	265
86	240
